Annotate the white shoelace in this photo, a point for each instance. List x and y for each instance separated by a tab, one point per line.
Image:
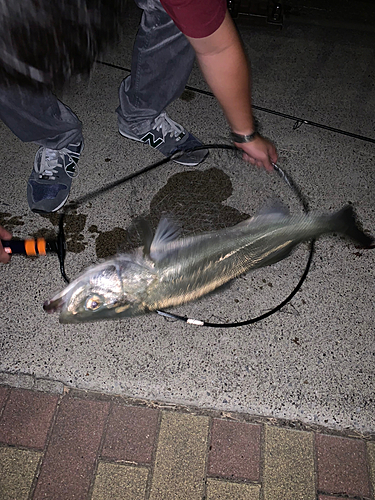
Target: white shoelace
167	126
49	162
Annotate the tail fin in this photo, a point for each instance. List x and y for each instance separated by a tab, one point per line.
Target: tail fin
347	224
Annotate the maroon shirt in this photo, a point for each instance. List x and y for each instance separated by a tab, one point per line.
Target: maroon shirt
196	18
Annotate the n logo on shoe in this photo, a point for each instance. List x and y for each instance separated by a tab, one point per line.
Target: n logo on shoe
151	139
71	169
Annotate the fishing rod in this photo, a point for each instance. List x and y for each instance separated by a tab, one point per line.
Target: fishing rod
298	121
40	246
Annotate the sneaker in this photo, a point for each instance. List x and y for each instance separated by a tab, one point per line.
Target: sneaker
168	137
49	184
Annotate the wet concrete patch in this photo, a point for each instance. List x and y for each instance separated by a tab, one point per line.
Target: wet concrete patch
187	95
109	242
74	225
10	221
196	199
193	199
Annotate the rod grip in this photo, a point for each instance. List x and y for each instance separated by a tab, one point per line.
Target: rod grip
28	247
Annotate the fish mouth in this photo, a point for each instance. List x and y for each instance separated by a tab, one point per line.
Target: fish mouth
54	305
59	305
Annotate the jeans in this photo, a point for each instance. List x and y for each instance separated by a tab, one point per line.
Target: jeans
162	60
161	64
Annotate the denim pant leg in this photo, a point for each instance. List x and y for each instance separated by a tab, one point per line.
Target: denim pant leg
39	117
161	64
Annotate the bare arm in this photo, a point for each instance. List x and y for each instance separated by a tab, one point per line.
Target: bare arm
227	72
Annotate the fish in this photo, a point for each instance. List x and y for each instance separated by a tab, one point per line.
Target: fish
170	270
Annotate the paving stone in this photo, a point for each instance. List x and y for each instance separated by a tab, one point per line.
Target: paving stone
68	466
288	465
120	482
180	457
371	462
17	470
341	465
234	450
26	418
224	490
131	433
4	391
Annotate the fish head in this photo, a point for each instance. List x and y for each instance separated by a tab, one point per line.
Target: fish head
105	291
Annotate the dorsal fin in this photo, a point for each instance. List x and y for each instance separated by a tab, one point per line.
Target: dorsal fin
270	212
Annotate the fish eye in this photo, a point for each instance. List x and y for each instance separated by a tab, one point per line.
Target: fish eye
93	303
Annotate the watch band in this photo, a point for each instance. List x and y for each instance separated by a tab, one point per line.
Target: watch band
240	139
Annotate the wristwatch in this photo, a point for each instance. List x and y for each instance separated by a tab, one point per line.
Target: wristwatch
240	139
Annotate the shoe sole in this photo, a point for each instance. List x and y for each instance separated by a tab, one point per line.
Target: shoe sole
36	211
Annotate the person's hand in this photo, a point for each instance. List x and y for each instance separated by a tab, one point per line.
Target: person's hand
260	152
4	235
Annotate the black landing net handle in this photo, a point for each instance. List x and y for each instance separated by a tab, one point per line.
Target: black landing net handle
35	247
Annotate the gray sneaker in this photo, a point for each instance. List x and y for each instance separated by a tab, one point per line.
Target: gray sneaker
49	184
168	137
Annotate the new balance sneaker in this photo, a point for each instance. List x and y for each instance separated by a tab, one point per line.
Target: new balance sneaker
49	184
168	137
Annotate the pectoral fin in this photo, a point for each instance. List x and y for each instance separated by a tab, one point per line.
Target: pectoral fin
166	232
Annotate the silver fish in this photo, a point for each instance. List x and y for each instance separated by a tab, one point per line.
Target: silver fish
170	271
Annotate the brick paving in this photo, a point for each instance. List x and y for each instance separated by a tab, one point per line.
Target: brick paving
78	445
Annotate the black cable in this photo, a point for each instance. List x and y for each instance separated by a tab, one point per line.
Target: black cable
61	247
